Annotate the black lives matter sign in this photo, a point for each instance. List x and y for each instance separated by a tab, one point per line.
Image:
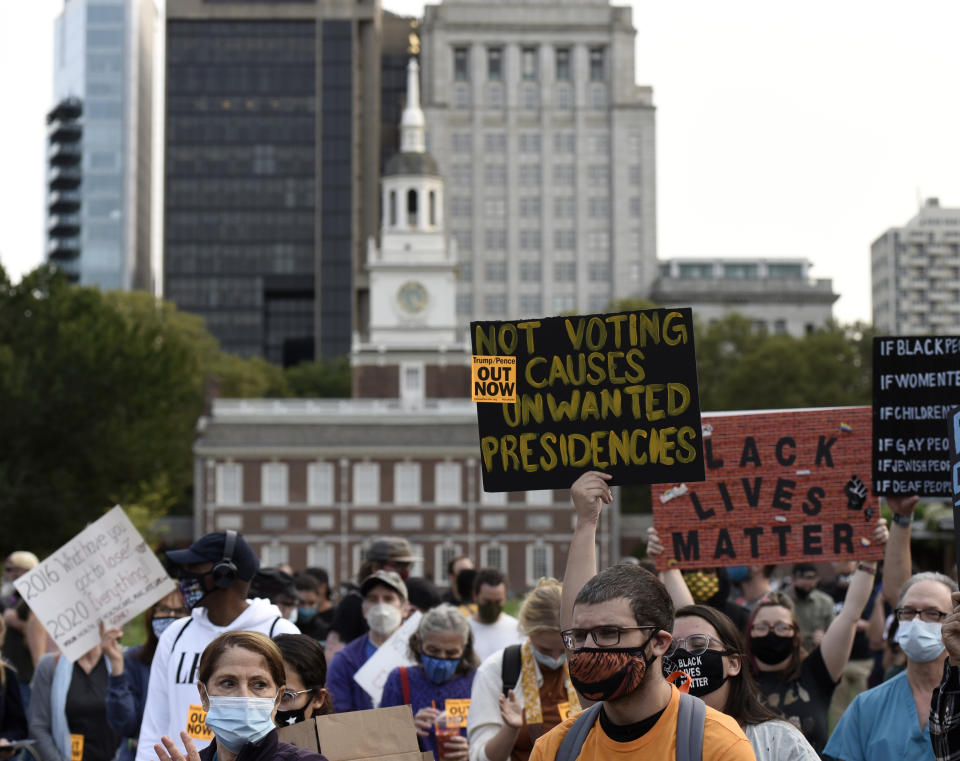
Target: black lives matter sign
916	380
611	392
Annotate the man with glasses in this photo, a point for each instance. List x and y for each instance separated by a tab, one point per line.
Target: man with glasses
616	628
891	721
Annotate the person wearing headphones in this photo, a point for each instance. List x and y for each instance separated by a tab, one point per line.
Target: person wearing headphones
214	576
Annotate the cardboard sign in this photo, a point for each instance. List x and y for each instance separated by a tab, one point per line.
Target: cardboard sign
781	487
611	392
457	710
372	675
105	573
915	382
494	379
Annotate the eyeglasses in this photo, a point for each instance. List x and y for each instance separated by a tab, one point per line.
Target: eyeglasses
163	611
762	629
695	644
603	636
930	615
289	697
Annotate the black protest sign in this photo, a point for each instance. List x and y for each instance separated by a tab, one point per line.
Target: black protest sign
953	434
612	392
915	382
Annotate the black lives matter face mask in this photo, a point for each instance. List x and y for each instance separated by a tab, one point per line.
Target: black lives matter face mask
706	671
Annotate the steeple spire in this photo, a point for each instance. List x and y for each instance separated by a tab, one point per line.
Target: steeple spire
412	123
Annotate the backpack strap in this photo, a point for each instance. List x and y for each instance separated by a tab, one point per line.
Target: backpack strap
405	684
510	668
274	626
573	741
691	716
180	633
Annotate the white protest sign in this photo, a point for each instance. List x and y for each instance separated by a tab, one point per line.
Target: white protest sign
372	675
105	573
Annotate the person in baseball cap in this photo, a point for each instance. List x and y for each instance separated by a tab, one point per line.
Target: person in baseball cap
384	607
391	553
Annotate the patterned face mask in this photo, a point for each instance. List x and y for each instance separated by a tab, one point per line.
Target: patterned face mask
702	584
608	673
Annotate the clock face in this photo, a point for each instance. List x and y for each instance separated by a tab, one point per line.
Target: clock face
412	297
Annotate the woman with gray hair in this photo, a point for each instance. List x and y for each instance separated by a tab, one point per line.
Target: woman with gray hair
442	646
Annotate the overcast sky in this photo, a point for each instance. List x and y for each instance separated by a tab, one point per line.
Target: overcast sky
783	129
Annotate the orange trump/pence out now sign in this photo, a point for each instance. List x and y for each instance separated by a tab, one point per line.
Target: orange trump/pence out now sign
494	379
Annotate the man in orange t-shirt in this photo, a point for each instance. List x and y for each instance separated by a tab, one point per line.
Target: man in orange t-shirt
621	623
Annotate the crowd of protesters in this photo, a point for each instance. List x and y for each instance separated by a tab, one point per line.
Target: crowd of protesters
802	662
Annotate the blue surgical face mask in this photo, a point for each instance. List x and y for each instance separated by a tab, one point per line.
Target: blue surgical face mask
738	573
920	640
546	661
305	614
160	625
439	670
238	721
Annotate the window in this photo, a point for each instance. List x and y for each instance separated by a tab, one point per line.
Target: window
563	174
464	239
320	483
636	209
598	240
495	142
531	304
531	97
432	208
635	176
461	174
461	97
411	208
598	175
411	381
322	555
461	64
564	302
563	207
495	174
493	498
406	483
565	272
495	240
529	206
790	271
229	483
495	95
598	302
530	271
447	483
738	271
530	176
598	97
464	303
461	207
529	240
320	522
529	142
564	240
406	521
274	522
393	208
780	327
495	272
598	64
528	63
494	64
563	142
494	207
598	144
599	271
366	483
539	562
461	142
366	522
494	556
274	554
229	521
599	207
442	555
563	64
564	97
465	271
448	522
495	303
695	270
538	522
273	483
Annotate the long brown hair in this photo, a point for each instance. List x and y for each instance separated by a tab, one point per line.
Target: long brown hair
798	654
743	699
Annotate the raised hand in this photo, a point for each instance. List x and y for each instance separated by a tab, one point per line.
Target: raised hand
589	493
510	711
173	753
110	643
950	631
654	545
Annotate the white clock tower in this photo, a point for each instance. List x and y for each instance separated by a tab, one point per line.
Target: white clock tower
412	326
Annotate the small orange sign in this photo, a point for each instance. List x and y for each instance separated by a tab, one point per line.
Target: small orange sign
457	710
76	747
196	724
493	379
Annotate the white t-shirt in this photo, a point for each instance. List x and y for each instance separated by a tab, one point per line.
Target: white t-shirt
488	638
777	740
173	701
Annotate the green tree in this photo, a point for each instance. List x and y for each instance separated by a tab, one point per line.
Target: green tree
330	378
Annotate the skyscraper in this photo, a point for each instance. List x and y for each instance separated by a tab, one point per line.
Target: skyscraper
547	146
272	137
915	272
100	146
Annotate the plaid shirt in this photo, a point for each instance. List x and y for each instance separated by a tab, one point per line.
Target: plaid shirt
945	715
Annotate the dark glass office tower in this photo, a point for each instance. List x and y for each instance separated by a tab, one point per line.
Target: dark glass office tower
271	170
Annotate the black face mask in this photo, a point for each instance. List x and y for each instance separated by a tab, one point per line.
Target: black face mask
489	612
771	648
706	670
286	718
802	593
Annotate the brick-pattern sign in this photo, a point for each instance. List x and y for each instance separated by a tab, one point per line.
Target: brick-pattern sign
915	382
781	487
611	392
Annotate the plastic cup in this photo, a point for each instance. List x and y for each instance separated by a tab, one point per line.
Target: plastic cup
445	727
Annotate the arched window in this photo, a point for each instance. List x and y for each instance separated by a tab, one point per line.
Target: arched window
433	208
393	208
412	208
